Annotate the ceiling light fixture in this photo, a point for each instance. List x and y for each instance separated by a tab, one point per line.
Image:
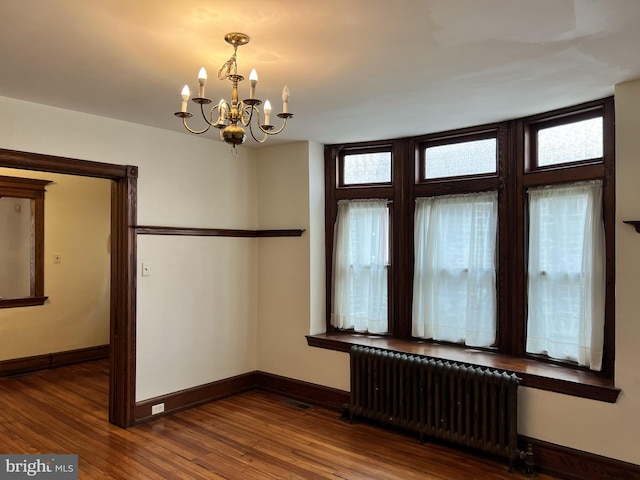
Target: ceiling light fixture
231	117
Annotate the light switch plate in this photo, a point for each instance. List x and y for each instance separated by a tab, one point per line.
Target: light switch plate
146	269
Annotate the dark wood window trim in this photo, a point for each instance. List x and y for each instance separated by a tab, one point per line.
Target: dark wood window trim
23	302
34	190
516	171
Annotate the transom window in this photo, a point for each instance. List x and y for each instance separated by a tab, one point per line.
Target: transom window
499	237
366	168
570	142
459	159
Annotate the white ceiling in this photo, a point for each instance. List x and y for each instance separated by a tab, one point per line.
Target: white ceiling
357	69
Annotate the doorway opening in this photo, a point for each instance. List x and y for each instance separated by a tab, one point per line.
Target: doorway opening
122	351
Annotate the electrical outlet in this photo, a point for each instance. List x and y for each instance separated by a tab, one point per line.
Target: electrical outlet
157	408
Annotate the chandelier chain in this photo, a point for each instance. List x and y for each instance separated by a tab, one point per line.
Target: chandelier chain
230	67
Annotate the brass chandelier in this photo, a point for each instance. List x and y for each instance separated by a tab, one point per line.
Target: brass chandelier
231	117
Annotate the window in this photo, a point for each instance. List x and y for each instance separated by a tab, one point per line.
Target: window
500	237
21	241
360	266
459	159
367	168
570	142
454	285
566	278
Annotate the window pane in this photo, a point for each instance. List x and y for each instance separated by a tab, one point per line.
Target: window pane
15	247
571	142
367	168
566	273
454	293
457	159
361	255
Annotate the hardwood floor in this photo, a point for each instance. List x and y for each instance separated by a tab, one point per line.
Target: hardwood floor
255	435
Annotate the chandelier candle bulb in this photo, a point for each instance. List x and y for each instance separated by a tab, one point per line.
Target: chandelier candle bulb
267	112
185	98
285	99
253	81
202	80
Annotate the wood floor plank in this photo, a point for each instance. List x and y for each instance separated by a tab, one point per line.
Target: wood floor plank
255	435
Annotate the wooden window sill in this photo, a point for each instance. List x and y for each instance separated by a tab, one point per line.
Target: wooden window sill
534	374
22	302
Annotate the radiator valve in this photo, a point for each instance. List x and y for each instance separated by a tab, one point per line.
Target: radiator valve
529	465
345	412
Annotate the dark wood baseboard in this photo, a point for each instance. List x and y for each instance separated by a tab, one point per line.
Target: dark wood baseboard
191	397
302	391
572	464
549	458
311	393
22	366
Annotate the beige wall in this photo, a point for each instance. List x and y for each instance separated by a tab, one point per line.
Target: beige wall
291	270
76	315
196	312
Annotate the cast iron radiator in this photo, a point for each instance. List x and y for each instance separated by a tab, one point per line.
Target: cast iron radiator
458	403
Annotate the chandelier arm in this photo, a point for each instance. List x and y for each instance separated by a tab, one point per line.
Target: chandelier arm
191	130
267	132
210	119
248	110
259	140
274	132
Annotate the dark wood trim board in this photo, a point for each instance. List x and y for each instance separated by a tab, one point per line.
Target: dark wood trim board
25	365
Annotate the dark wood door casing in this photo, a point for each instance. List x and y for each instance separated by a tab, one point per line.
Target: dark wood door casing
123	266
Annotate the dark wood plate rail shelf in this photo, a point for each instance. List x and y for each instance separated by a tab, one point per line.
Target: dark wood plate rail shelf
634	223
216	232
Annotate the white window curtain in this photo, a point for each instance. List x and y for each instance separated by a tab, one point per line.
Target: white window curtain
360	261
566	274
454	287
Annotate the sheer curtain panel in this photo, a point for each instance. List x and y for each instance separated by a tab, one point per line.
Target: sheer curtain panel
566	275
360	264
454	289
